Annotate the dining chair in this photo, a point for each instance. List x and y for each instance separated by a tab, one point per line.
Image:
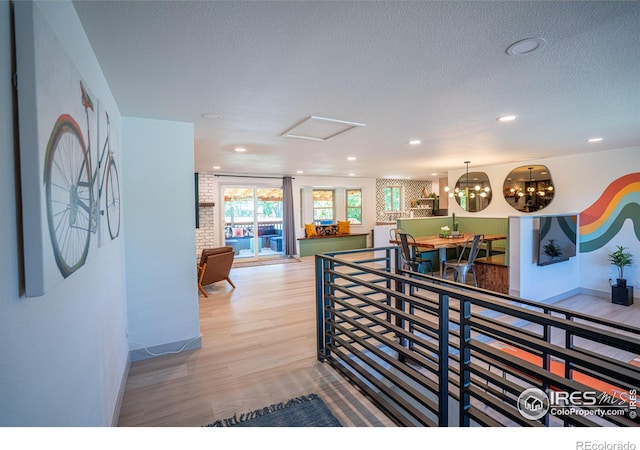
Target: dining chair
463	266
410	259
394	234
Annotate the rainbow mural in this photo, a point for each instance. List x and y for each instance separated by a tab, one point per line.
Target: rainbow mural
601	221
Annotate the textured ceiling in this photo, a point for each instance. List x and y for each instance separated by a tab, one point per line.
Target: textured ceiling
435	71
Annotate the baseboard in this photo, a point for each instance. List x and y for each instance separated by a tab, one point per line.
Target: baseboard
596	293
562	296
165	349
567	294
123	385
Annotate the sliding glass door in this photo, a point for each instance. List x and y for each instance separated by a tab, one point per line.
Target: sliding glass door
253	221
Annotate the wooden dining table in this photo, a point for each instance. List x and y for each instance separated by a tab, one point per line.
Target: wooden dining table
442	244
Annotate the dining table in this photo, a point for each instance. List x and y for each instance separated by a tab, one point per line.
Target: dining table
443	243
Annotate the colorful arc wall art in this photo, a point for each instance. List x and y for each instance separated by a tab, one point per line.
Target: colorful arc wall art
601	221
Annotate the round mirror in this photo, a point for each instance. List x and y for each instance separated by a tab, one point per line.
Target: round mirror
529	188
472	191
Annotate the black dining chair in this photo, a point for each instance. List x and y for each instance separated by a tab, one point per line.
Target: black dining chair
410	259
463	266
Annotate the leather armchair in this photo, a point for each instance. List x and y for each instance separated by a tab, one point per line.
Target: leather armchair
215	265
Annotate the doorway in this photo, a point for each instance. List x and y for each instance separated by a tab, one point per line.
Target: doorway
253	221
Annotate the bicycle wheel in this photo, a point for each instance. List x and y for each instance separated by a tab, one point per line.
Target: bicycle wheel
112	198
69	195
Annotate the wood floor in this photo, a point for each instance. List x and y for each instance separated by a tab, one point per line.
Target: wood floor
258	348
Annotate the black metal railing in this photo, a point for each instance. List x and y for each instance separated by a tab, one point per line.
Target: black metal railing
434	353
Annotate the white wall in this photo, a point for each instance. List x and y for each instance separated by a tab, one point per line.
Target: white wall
159	216
579	181
526	278
63	355
603	168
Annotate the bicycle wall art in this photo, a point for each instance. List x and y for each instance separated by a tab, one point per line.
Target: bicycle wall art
68	159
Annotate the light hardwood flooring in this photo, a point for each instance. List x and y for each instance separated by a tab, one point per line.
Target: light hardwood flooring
259	348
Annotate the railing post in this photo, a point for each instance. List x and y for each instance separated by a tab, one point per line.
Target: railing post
319	310
397	260
388	284
465	360
443	360
321	314
546	362
399	305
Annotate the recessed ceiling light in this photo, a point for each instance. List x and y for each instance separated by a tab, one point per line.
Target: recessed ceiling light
508	118
351	158
434	174
240	149
594	140
352	174
525	46
211	116
415	142
216	167
300	171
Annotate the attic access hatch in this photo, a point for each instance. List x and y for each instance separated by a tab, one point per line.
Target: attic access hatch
319	128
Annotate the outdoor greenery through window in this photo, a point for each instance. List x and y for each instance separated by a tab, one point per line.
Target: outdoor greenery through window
354	206
323	206
392	198
239	205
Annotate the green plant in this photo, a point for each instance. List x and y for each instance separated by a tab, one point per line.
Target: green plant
455	222
552	250
621	258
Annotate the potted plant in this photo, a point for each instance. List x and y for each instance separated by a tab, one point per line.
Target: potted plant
621	258
552	250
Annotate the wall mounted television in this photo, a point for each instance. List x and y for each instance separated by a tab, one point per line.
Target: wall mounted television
557	240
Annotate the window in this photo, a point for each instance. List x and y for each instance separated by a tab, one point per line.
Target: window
323	206
392	198
354	206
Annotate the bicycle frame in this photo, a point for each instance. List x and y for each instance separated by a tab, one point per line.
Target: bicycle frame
93	209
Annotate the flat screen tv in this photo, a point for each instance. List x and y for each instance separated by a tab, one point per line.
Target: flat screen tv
557	239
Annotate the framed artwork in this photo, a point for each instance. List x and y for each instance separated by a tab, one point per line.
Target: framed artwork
69	178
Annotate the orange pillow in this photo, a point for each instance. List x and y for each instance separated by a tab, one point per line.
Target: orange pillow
343	227
310	230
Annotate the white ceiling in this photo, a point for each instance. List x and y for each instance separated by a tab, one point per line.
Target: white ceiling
437	71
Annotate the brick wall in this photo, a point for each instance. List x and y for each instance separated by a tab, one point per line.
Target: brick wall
205	235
